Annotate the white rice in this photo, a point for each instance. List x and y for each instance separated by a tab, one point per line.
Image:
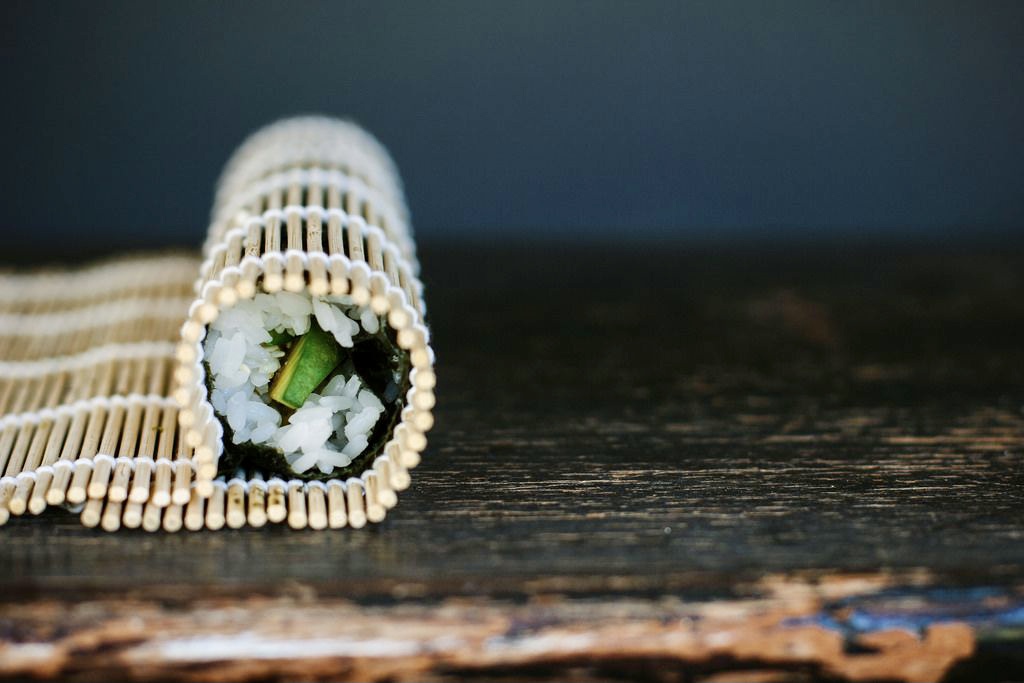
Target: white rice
330	429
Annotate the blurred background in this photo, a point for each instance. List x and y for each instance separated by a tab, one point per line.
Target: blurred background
545	120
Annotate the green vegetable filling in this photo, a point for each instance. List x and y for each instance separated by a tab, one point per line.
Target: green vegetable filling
307	364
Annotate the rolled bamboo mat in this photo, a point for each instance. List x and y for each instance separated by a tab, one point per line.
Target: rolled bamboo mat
102	394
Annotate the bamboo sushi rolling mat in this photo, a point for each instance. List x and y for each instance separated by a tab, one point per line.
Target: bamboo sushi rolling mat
102	386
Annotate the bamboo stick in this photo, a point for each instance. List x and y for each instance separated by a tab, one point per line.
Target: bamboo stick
316	505
235	503
194	514
297	518
277	510
111	519
215	507
257	512
337	515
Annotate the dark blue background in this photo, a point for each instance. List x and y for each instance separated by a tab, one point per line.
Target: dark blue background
561	119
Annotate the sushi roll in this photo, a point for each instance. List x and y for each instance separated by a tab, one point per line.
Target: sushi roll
306	355
305	386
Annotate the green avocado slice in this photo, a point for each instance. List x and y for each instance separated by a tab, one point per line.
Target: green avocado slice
308	363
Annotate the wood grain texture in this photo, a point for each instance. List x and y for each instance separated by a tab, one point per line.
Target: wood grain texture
641	425
838	628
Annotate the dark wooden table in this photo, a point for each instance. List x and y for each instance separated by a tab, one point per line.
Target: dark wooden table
757	463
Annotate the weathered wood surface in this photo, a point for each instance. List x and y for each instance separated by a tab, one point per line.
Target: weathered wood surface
651	461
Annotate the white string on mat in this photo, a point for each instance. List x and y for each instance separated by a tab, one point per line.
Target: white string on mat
68	409
97	280
93	356
87	317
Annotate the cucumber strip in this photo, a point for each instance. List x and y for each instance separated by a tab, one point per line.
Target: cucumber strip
308	363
